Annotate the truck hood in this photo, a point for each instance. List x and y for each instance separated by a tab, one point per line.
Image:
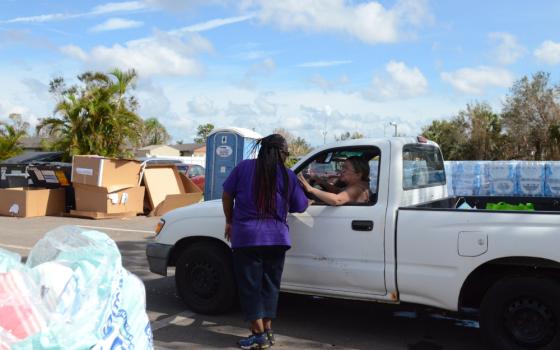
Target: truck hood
207	209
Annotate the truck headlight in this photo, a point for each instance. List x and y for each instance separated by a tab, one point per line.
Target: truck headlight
159	226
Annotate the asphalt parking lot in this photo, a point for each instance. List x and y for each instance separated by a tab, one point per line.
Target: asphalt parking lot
305	322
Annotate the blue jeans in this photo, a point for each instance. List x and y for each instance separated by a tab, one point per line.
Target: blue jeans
258	271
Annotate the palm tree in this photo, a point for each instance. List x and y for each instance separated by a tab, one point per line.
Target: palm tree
97	118
10	136
154	133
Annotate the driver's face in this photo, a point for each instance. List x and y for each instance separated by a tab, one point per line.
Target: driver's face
348	174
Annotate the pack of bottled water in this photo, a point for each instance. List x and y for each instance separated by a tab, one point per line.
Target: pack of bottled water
530	178
469	178
503	178
552	179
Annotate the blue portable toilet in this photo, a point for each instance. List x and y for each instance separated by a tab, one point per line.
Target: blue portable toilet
225	148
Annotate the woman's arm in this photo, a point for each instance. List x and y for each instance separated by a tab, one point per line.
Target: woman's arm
330	198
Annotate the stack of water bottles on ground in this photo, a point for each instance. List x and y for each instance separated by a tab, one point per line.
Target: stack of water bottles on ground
71	293
503	178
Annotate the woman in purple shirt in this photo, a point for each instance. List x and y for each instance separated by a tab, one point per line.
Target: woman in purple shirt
258	195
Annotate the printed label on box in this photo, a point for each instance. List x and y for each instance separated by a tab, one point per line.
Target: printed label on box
84	171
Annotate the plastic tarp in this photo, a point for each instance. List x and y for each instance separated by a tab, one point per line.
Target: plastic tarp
72	293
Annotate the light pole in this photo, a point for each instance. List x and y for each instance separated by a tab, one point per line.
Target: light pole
395	125
328	111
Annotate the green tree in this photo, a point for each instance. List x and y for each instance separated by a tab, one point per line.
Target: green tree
154	133
11	133
473	134
298	147
349	136
485	140
202	132
96	117
450	135
531	118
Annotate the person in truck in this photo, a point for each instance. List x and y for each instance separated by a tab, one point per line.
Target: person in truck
258	195
355	174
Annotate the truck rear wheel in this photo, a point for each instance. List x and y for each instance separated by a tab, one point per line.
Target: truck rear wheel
204	278
522	313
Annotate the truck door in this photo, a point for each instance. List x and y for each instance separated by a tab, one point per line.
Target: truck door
340	249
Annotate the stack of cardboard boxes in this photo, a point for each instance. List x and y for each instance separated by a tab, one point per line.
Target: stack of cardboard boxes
106	187
102	188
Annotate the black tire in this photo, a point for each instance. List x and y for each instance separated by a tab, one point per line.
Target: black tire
522	313
204	278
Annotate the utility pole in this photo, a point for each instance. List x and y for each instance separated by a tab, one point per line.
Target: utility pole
395	125
328	112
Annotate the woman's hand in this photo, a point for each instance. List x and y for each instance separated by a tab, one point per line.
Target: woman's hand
306	186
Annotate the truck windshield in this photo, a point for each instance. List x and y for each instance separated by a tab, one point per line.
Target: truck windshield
422	167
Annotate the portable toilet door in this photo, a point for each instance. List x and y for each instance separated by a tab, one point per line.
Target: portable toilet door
225	148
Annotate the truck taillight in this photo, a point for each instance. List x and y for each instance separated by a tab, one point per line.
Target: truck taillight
421	139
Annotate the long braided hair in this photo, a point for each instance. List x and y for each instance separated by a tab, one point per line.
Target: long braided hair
272	152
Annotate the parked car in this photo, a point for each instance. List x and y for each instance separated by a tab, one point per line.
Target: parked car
194	172
33	157
411	243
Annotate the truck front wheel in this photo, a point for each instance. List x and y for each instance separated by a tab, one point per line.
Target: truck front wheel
522	313
204	278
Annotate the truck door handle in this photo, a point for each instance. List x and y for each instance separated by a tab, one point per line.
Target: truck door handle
362	225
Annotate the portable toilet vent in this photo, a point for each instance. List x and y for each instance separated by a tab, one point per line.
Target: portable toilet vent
225	148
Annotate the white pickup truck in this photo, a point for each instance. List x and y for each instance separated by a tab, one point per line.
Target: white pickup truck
411	243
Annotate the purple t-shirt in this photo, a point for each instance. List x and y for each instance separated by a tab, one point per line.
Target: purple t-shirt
247	229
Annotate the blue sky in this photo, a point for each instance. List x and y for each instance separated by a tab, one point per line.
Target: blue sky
303	65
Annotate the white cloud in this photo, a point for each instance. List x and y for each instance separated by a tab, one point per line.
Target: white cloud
402	82
112	7
369	21
326	84
475	80
264	67
202	106
321	64
116	24
212	24
508	50
38	88
162	54
180	5
153	101
548	52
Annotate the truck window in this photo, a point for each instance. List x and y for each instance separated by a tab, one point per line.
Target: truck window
422	167
323	170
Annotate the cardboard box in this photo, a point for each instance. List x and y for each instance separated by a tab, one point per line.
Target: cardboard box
102	200
168	189
29	202
114	174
